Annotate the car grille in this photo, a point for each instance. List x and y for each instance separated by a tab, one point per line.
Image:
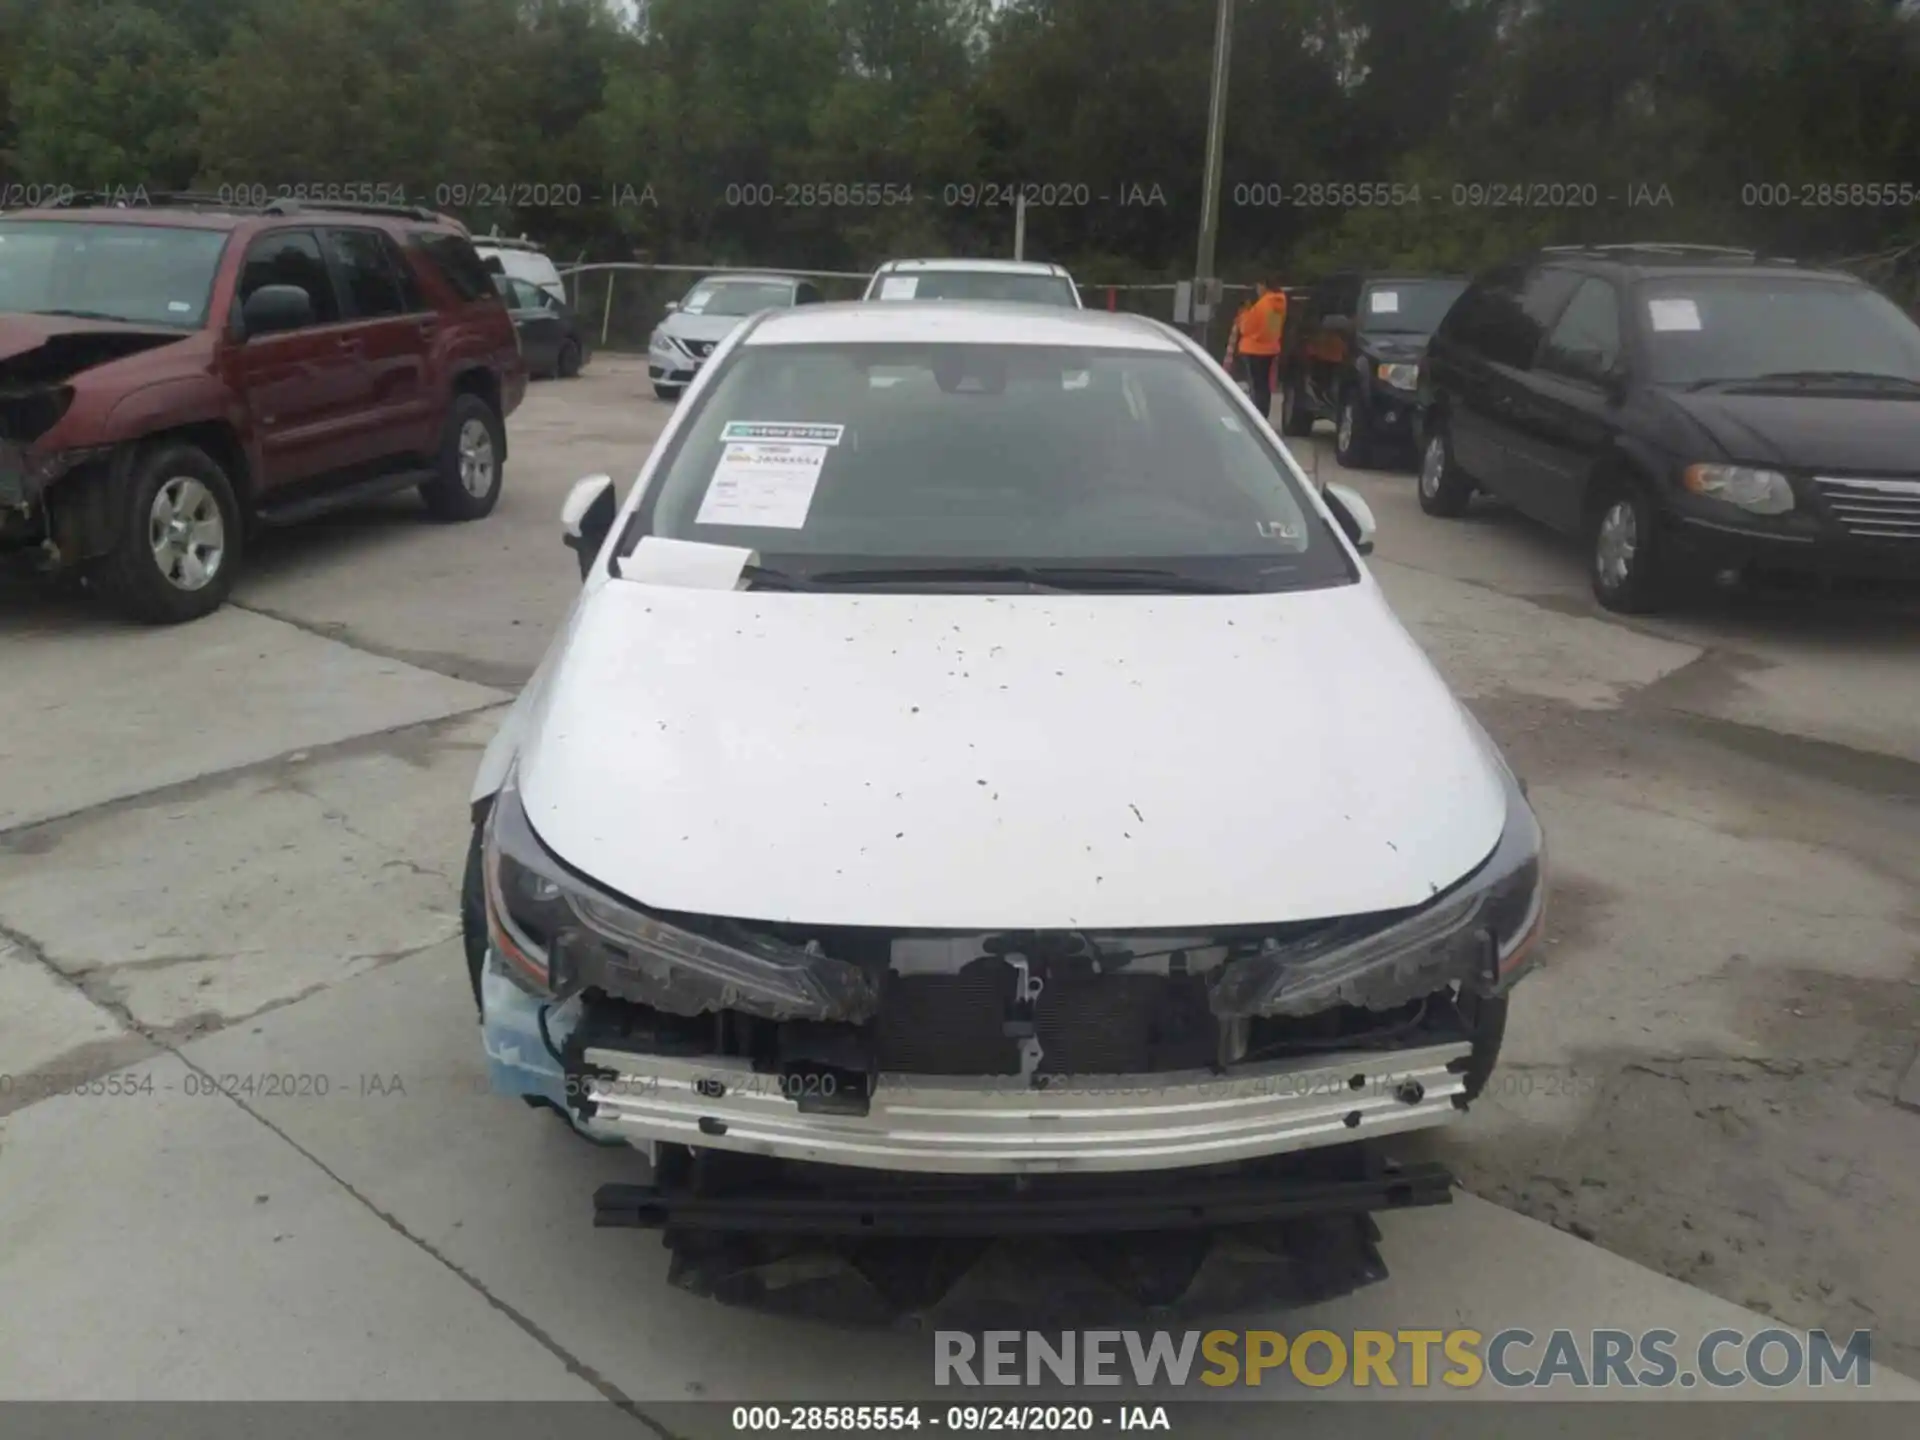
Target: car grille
1087	1023
1873	509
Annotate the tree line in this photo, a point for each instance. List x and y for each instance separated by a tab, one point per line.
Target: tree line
829	133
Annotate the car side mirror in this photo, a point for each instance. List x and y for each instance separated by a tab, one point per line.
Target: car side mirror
1353	513
672	305
586	519
274	308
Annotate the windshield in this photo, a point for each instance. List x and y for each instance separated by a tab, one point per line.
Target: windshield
823	457
1703	328
977	285
143	274
1414	307
737	297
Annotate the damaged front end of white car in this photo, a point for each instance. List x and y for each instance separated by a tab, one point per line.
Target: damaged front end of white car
799	1083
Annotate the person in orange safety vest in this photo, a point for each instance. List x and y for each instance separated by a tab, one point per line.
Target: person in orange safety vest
1255	342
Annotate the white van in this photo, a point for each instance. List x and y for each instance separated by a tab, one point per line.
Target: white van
521	259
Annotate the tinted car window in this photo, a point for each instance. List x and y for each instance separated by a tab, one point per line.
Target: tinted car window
1412	307
147	274
1729	327
1474	320
1586	340
995	454
372	288
410	298
457	262
1504	317
290	257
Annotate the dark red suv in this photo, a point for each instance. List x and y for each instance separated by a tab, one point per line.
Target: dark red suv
175	375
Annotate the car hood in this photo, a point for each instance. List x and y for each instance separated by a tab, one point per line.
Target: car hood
1840	433
974	762
47	349
683	326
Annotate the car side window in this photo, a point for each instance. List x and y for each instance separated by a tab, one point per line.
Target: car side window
807	295
290	257
411	299
525	295
373	290
1586	341
1505	315
457	262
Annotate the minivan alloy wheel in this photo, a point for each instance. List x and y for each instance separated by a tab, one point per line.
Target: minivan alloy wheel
188	536
476	458
1616	543
1346	426
1433	465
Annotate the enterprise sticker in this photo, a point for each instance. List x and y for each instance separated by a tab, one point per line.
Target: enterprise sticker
781	432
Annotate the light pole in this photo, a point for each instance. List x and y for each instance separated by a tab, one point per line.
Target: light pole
1216	159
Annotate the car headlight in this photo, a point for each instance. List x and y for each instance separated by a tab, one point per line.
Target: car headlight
1401	376
561	934
1478	935
1764	492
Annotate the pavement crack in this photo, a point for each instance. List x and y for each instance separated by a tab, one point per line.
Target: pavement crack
26	945
41	834
495	675
158	962
526	1324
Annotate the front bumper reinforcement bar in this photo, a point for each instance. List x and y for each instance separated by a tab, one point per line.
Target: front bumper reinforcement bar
982	1126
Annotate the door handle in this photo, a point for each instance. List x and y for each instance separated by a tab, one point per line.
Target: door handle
429	328
350	344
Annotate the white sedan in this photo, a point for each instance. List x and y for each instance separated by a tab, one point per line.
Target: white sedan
978	750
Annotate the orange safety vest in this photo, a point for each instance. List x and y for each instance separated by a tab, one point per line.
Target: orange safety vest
1258	330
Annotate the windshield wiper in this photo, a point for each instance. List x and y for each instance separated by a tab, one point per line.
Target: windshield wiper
764	578
1139	579
85	315
1808	377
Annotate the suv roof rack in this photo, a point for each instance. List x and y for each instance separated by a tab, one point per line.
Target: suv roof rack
290	206
226	204
1669	250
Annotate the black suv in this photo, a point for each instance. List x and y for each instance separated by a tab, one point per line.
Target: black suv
1352	353
1682	408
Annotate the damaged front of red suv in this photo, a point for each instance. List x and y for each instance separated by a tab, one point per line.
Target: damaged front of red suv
61	378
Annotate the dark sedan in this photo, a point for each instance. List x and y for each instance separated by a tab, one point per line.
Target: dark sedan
551	336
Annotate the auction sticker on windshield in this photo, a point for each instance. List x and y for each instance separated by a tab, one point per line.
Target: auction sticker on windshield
899	287
1680	314
782	431
1384	302
763	486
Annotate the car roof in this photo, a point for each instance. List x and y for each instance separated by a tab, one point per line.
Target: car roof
143	215
509	242
756	277
209	212
935	321
1662	261
995	267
